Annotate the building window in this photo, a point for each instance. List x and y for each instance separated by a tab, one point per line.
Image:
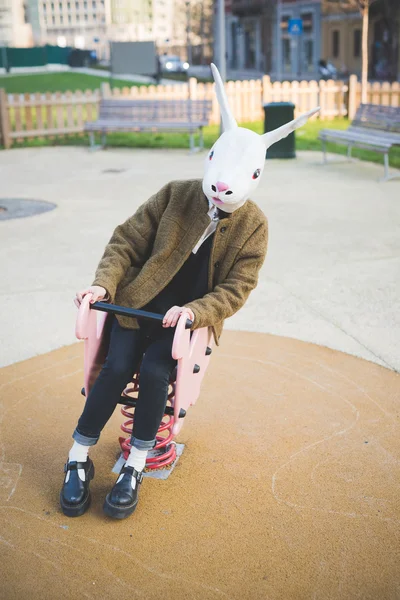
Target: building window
60	7
52	6
335	43
77	18
357	43
86	17
69	19
53	20
77	5
307	19
308	56
94	4
94	17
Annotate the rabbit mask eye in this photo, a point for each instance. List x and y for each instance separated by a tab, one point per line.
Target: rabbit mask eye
257	174
211	154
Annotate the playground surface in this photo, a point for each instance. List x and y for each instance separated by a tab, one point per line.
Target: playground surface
288	486
287	489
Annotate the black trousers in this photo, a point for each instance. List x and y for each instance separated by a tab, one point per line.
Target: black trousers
126	350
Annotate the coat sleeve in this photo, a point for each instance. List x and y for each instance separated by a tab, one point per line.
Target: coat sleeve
230	295
130	244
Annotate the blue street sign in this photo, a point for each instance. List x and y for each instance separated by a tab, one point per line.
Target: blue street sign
295	26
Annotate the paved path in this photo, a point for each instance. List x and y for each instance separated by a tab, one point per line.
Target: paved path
332	274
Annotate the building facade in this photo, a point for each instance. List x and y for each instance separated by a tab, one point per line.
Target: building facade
296	55
342	37
288	38
14	27
78	23
192	32
91	24
261	37
247	42
142	20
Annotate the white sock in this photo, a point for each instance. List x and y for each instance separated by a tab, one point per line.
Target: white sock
137	460
78	453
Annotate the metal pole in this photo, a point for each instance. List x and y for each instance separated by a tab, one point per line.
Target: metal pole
189	46
278	41
221	39
222	46
4	58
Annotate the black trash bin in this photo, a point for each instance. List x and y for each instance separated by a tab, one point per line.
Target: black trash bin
277	114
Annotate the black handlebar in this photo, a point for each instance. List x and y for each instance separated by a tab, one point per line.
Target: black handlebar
132	312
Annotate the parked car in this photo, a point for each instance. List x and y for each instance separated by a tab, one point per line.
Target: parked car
173	64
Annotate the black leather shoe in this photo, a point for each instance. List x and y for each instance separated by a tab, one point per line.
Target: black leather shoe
75	494
122	500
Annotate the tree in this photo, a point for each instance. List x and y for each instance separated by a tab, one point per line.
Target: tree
363	7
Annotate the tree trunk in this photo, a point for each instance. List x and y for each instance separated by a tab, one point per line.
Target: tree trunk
364	75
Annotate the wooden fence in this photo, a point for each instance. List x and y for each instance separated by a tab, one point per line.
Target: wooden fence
42	115
386	94
62	114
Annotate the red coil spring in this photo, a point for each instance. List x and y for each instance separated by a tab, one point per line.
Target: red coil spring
164	453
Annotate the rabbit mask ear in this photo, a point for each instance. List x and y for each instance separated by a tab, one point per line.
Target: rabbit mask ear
281	132
228	120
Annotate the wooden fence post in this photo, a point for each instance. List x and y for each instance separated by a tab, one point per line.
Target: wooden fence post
352	108
266	89
4	120
322	98
193	88
105	90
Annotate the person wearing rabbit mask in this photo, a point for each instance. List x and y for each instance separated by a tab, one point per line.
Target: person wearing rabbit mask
195	247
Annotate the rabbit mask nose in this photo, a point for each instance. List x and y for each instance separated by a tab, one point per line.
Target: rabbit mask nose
221	186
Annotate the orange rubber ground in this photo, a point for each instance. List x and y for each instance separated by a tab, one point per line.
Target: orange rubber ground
288	487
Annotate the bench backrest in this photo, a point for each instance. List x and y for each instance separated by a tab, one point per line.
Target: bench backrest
157	111
375	116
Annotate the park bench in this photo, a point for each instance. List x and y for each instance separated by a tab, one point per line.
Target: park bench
374	127
150	115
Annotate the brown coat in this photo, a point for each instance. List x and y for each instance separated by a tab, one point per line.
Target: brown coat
146	252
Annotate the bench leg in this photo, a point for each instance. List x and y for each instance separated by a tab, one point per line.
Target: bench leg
386	166
192	146
387	176
349	149
324	160
201	139
93	145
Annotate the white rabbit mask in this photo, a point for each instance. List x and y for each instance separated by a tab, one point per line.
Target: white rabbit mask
236	161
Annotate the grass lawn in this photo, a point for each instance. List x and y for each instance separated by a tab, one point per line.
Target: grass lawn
306	139
56	82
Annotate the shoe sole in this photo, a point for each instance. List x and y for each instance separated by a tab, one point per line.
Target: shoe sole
79	509
118	512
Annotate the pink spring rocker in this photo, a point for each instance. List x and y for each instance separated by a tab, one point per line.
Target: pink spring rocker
192	352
